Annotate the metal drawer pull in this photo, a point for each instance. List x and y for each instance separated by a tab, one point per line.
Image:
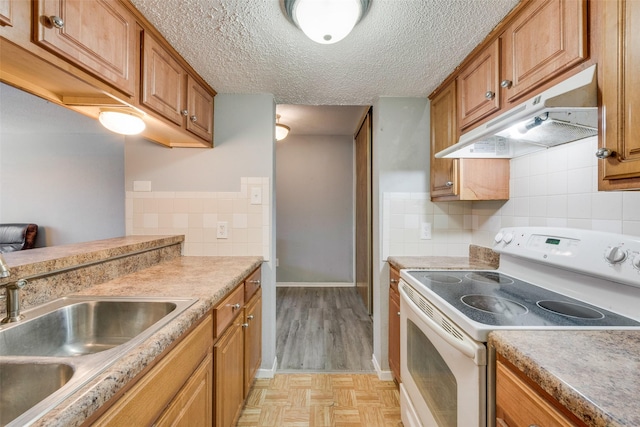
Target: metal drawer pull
235	306
194	119
489	94
255	282
250	317
506	84
449	184
245	325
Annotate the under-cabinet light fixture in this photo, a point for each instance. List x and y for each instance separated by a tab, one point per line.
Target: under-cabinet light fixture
281	130
125	122
326	21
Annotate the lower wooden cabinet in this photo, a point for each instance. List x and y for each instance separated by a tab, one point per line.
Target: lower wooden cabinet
252	339
237	353
177	389
192	405
519	404
228	356
394	323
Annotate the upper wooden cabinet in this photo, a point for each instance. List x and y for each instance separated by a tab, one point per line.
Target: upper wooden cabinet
6	12
620	86
88	55
461	179
169	90
98	36
479	86
545	40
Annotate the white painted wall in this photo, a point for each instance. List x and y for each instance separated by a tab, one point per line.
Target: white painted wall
244	146
60	170
400	163
315	209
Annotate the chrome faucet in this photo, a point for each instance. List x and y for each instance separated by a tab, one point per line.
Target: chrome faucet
12	294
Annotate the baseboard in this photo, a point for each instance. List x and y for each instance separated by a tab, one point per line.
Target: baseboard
268	373
315	284
382	375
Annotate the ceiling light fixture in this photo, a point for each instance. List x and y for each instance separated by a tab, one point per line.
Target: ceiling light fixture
281	130
326	21
125	122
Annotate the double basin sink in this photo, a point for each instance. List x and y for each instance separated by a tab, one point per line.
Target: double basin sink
61	345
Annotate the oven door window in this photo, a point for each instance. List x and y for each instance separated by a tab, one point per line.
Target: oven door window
434	379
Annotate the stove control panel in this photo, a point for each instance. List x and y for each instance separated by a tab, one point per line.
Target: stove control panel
609	256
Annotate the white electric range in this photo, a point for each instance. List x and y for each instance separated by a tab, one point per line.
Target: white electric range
549	278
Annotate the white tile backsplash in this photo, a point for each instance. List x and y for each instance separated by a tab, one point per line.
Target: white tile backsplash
196	215
555	188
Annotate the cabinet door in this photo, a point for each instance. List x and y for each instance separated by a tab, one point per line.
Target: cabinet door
394	324
478	86
620	95
228	359
192	406
444	133
517	404
6	12
98	36
199	110
252	340
548	38
163	81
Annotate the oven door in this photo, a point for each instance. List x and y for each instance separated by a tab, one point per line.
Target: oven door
443	370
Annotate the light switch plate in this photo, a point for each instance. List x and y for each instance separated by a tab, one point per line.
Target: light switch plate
256	195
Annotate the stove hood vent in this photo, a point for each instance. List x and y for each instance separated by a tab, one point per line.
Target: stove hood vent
563	113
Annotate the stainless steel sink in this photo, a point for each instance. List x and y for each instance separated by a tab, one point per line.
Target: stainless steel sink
61	345
82	328
23	385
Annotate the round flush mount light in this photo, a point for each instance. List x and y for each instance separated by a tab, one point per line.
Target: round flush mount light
326	21
125	122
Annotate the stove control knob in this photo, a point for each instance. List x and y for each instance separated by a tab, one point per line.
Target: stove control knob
508	238
615	255
636	261
498	238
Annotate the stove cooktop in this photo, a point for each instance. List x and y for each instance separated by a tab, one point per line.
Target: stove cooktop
501	301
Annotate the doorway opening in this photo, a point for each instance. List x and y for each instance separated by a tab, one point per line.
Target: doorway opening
323	239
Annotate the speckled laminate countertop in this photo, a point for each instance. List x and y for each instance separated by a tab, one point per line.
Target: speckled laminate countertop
207	278
480	258
594	374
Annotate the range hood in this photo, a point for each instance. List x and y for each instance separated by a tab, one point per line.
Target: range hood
563	113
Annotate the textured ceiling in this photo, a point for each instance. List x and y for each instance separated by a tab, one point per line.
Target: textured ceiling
400	48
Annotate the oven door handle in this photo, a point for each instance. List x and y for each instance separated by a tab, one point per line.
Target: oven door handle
464	347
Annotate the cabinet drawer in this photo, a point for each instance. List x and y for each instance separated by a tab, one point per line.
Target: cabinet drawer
252	284
227	310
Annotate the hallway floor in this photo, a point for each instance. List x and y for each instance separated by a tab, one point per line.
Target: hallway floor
322	330
324	345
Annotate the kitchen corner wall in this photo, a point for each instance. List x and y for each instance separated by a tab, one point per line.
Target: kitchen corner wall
403	215
197	214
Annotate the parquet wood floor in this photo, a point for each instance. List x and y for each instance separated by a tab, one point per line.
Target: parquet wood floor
322	400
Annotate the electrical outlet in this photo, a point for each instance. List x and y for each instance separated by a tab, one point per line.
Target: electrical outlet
425	231
256	195
222	231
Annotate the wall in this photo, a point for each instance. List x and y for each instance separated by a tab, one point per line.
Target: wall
60	170
400	164
193	188
315	210
558	187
